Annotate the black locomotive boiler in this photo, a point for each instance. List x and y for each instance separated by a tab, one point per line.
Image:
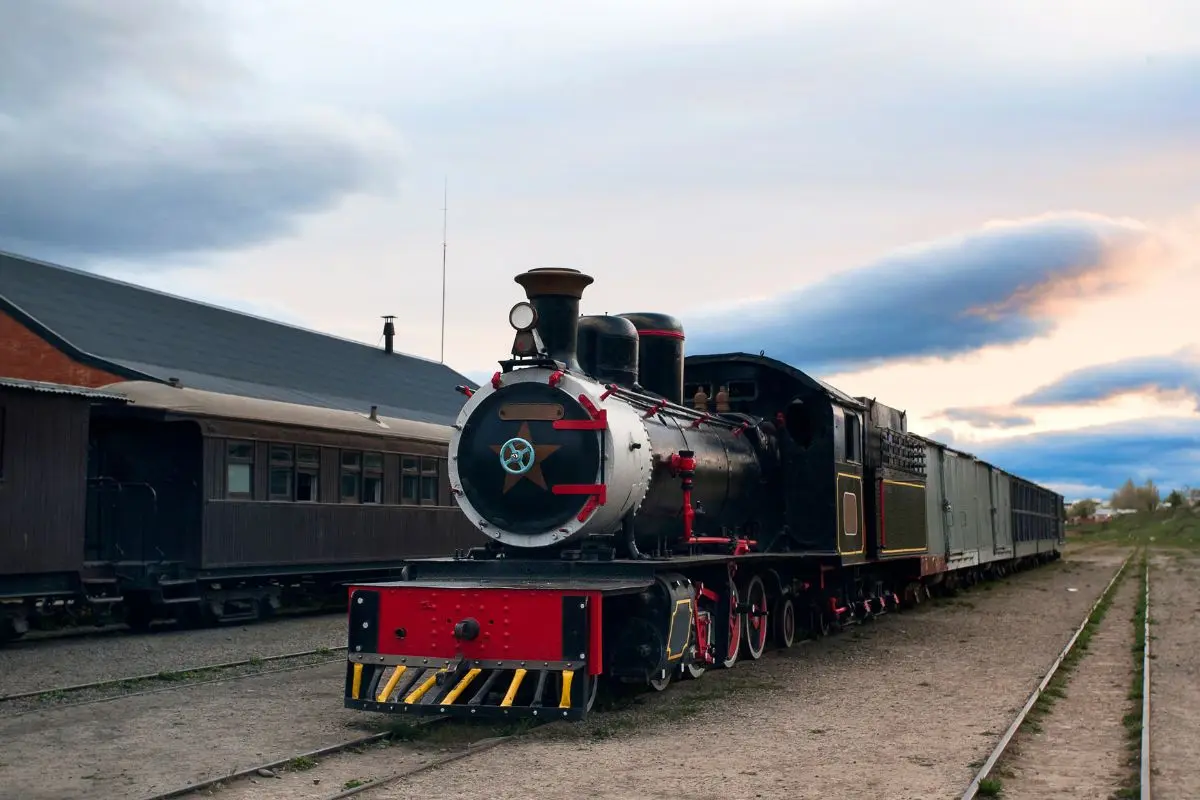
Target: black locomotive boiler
650	517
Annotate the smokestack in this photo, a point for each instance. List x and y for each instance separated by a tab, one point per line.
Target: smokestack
389	334
555	292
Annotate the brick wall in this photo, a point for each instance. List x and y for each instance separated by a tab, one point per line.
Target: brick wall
24	354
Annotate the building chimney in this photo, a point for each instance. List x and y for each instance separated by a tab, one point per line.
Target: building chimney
555	292
389	334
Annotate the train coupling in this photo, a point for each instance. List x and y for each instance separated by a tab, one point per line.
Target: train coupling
486	689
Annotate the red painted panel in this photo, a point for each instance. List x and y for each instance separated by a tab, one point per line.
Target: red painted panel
524	624
596	634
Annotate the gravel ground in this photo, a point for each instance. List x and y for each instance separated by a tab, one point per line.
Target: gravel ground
901	711
1175	676
1081	748
45	665
882	711
166	682
138	746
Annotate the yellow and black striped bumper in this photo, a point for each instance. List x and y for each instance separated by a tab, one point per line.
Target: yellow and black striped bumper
484	689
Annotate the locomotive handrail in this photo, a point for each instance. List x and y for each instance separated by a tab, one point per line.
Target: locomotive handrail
645	401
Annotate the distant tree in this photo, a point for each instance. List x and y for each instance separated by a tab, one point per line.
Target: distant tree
1136	498
1082	509
1125	497
1148	498
1176	499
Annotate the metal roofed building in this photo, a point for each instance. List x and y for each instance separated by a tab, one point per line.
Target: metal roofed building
63	325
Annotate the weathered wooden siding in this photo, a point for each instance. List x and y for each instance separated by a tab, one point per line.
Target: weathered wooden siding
259	531
242	533
43	474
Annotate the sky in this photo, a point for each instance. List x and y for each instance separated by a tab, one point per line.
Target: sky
988	216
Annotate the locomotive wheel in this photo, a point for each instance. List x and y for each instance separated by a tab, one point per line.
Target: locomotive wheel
819	623
756	621
784	622
661	681
695	669
735	628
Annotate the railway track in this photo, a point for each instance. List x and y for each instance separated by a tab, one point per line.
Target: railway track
983	784
173	680
83	631
457	753
470	749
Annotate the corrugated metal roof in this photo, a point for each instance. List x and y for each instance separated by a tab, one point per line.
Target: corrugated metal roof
58	388
216	349
197	402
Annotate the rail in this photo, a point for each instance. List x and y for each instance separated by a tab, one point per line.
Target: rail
1144	778
472	748
973	788
166	675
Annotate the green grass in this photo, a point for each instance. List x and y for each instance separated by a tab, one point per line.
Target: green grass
1056	689
990	787
1174	528
301	763
1132	786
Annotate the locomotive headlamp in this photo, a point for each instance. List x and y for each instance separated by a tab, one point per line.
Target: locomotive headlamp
522	316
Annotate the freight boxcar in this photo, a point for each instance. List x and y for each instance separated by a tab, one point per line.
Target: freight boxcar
981	516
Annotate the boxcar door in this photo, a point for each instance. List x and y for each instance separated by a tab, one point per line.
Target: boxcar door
1001	528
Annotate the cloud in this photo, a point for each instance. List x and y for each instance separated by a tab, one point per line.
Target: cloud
1103	457
1005	283
943	435
131	129
985	417
866	99
1178	373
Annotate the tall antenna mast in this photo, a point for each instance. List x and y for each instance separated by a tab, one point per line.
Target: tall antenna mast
445	205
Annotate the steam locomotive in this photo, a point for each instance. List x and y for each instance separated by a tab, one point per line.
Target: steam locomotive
650	518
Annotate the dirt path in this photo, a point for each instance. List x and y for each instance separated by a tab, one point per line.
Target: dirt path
137	746
899	709
1175	676
1080	748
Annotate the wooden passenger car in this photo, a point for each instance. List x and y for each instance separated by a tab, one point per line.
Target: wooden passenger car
217	505
43	463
